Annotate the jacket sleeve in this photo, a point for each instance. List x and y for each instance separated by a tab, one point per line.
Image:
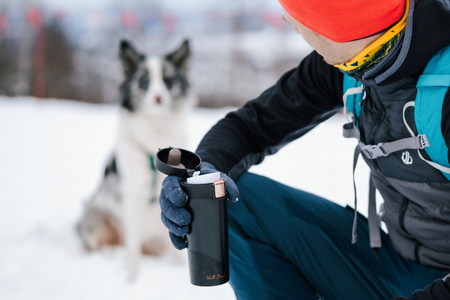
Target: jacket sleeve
300	100
438	290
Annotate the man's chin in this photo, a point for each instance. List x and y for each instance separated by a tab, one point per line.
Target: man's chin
331	62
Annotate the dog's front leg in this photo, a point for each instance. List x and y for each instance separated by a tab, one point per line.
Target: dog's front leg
136	190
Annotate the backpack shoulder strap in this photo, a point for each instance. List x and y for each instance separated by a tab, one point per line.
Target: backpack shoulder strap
432	88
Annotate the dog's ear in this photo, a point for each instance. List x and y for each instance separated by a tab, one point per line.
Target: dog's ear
180	57
130	58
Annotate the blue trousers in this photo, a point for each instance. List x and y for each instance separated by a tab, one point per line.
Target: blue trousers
289	244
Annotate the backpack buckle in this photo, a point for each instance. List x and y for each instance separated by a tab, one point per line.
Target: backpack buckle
373	151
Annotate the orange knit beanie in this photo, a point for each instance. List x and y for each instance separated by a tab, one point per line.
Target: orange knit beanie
345	20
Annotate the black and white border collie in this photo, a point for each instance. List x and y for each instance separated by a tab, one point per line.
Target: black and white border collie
156	99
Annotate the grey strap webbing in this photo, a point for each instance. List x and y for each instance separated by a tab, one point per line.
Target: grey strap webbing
355	218
350	130
374	220
384	149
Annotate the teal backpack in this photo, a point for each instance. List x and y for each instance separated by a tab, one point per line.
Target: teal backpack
432	88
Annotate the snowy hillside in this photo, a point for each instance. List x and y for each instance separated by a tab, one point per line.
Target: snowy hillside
51	158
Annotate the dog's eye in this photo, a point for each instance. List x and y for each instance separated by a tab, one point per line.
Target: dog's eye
144	82
169	82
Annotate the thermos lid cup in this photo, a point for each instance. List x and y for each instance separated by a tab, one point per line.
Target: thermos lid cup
190	163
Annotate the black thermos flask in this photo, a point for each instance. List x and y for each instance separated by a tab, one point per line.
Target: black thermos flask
207	239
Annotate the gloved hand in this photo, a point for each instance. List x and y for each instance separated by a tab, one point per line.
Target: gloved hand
173	199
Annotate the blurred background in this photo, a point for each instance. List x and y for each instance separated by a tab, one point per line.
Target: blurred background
69	49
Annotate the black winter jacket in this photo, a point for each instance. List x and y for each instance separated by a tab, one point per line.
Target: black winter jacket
416	200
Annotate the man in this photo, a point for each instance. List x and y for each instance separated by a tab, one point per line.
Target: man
289	244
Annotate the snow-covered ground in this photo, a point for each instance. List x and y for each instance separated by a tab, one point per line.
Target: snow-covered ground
52	154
